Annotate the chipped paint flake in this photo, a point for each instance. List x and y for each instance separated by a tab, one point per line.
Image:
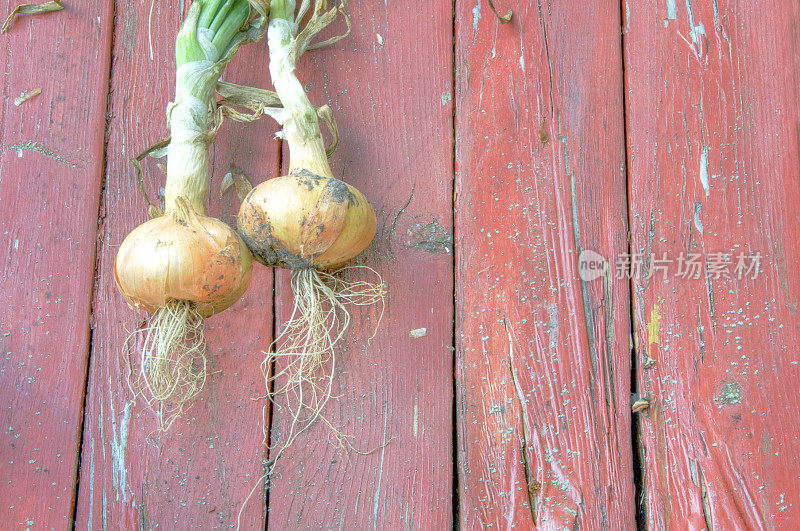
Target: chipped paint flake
552	326
380	472
119	446
672	12
730	394
704	169
698	207
430	237
476	15
418	333
654	326
697	32
38	148
627	14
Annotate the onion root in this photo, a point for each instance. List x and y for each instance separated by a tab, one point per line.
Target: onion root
319	320
172	360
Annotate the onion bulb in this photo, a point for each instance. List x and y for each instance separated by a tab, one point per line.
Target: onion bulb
184	266
182	255
305	220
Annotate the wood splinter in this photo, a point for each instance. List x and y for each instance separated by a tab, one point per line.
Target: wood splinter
25	96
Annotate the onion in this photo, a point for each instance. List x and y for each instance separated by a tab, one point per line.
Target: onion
306	221
184	266
182	256
309	222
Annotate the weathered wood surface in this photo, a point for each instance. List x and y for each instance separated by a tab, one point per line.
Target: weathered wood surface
51	162
542	356
542	367
393	104
713	152
201	472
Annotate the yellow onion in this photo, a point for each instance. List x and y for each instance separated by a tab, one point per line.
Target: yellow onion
304	220
183	255
309	222
184	266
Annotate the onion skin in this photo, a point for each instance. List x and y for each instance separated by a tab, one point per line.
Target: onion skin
304	220
183	256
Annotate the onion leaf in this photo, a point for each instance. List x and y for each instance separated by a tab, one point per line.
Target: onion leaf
31	9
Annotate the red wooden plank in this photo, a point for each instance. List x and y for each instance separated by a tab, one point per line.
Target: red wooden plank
50	176
712	129
389	84
543	357
200	473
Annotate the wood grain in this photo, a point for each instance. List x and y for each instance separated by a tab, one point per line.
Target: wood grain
543	356
536	124
51	161
390	87
200	473
713	135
